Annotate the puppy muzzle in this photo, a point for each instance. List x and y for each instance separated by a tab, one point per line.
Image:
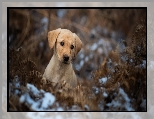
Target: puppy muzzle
66	59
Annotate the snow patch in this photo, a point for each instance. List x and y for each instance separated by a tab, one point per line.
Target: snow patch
144	63
37	104
22	99
79	66
121	91
60	109
96	90
48	99
122	101
32	88
87	58
103	80
81	55
86	107
61	13
100	42
105	94
94	46
81	63
44	20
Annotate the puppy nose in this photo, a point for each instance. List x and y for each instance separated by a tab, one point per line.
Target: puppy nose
65	58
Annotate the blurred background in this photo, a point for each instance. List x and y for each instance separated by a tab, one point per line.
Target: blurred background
100	30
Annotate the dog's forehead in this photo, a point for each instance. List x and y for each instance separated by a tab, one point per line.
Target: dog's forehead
66	36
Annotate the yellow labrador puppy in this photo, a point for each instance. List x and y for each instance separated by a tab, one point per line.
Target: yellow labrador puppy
66	45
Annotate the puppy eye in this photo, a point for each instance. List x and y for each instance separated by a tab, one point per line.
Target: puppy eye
72	46
62	43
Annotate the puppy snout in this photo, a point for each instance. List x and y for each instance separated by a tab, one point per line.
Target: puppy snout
66	58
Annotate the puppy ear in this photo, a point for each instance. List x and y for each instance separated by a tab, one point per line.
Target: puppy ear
78	43
52	36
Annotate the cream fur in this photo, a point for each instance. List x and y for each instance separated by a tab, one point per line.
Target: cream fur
57	71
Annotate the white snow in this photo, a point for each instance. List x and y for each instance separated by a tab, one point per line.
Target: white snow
44	20
40	104
100	41
94	46
86	59
16	92
118	102
16	83
103	46
60	109
16	77
144	63
22	98
96	90
81	55
114	104
61	13
86	107
121	91
79	66
103	80
81	63
48	99
33	89
29	100
105	94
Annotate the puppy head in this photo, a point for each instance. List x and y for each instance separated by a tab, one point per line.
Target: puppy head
66	44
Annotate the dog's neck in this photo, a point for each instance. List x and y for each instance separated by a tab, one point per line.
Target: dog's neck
58	70
59	64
